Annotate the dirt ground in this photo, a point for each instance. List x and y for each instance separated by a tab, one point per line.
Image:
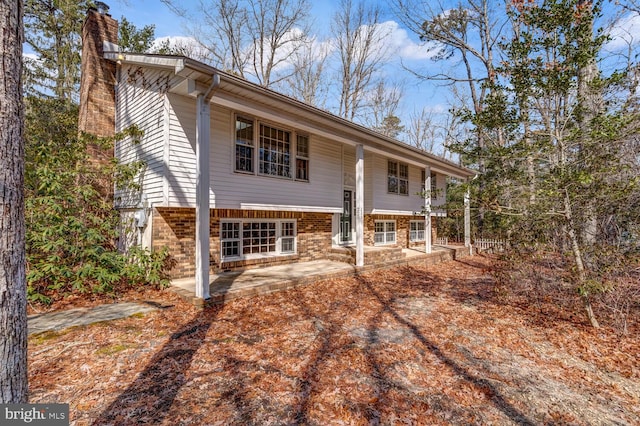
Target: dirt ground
424	346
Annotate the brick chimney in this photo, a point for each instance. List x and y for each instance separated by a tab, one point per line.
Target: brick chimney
98	75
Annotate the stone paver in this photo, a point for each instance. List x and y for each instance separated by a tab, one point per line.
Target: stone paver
55	321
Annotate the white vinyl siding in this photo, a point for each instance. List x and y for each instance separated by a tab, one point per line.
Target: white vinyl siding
181	174
376	175
140	99
235	190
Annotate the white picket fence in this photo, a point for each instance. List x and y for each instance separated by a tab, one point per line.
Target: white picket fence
442	241
490	244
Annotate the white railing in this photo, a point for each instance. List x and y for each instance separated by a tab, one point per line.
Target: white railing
442	241
490	244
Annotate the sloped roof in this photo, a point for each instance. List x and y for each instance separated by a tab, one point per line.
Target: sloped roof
235	92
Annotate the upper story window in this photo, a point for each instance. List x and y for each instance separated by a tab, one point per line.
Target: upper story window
244	145
281	153
434	187
397	178
302	158
275	152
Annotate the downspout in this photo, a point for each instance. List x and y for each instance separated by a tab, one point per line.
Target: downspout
203	142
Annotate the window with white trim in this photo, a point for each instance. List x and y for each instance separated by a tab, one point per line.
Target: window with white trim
416	230
257	238
385	232
302	157
434	187
275	152
244	145
230	236
397	178
288	237
281	153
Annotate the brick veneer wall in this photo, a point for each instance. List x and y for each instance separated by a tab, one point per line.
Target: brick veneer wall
175	229
402	229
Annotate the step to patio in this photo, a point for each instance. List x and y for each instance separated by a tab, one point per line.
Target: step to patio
372	255
342	254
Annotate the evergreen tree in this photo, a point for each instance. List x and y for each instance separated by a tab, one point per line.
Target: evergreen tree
132	39
562	164
53	31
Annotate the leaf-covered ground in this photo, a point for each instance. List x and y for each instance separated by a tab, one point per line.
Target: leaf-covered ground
434	345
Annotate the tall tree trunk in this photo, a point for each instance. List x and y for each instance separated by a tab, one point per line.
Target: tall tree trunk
577	257
591	104
13	314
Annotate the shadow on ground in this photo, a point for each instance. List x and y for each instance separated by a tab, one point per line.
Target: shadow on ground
150	397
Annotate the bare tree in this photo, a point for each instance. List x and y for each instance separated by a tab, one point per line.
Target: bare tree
469	32
358	37
279	31
251	38
13	315
384	101
307	83
421	130
183	46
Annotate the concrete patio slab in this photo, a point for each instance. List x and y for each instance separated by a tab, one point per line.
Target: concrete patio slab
227	286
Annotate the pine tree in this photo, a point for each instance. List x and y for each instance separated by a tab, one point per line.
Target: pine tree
13	306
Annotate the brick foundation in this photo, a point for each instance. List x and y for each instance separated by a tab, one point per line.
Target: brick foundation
175	229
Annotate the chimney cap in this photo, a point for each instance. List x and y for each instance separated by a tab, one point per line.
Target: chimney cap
103	8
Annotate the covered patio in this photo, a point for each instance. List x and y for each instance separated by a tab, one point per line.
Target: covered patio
227	286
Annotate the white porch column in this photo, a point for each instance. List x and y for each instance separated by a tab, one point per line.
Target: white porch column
203	119
467	221
427	209
360	205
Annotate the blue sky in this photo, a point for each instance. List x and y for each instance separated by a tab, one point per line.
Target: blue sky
148	12
407	48
407	45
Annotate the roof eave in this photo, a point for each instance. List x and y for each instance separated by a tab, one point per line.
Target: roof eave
203	73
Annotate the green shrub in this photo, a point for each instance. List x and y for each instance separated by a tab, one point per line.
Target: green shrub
72	227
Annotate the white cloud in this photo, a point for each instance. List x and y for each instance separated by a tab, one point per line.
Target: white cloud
189	46
626	32
402	45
